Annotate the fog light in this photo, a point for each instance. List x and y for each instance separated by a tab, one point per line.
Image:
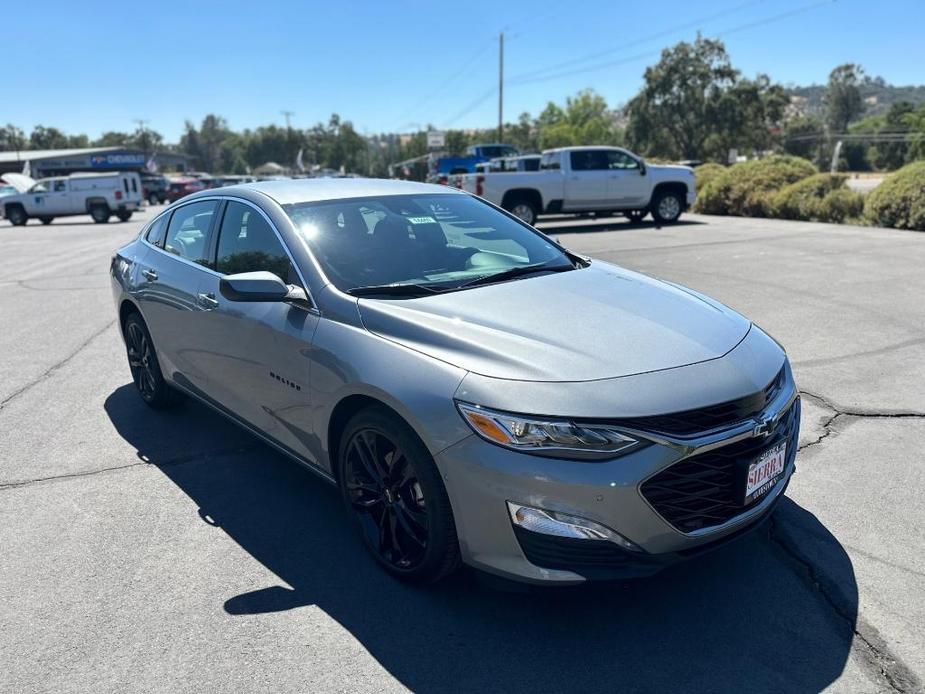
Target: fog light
565	525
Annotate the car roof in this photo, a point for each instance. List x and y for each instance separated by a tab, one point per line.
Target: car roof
298	190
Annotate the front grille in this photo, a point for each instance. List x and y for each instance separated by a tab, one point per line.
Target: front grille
705	490
724	415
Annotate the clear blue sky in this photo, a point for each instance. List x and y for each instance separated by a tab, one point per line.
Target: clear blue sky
86	66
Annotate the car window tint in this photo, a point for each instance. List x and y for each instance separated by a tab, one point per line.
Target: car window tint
247	243
589	160
60	186
189	229
155	233
621	160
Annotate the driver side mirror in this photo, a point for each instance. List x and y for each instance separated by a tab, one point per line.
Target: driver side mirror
642	166
258	286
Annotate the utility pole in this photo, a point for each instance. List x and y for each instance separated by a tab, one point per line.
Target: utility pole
142	122
288	116
501	87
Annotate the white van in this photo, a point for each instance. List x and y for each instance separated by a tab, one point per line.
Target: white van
99	195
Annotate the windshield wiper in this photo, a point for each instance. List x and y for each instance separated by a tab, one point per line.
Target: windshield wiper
514	272
393	290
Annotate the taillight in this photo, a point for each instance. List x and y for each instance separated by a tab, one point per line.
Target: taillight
479	180
118	195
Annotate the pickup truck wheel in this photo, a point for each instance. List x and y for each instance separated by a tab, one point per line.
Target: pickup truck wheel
17	215
666	208
152	199
46	220
100	213
124	216
523	210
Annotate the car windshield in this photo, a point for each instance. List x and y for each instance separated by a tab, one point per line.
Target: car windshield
440	241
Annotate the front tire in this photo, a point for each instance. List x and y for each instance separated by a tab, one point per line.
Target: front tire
146	371
17	215
394	494
100	213
667	207
524	209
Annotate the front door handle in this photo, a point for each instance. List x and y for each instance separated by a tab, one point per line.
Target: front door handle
149	274
208	301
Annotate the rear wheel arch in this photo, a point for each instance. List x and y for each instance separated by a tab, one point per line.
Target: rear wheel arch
127	308
528	194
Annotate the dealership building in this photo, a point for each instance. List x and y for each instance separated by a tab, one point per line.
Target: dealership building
41	163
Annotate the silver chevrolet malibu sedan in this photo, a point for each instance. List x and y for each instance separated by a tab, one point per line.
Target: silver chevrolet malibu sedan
478	393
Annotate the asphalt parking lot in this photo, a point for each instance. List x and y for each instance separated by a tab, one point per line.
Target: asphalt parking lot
148	551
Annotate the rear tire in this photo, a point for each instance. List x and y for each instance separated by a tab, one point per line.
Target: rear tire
17	215
100	213
146	371
524	209
395	497
124	216
667	207
46	220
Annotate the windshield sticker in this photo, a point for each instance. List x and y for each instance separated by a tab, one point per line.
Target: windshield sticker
421	220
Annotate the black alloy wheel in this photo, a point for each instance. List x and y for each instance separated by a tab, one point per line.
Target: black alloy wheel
396	497
142	361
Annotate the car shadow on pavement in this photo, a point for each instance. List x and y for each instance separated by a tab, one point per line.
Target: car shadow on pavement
746	617
609	224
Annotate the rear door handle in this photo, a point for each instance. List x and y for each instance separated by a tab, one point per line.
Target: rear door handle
208	301
149	274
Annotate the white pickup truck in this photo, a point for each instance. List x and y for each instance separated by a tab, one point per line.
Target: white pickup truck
99	195
588	179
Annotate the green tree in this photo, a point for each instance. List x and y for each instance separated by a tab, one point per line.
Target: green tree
12	138
843	102
680	104
802	136
47	138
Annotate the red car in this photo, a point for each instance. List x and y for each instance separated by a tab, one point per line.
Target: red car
181	187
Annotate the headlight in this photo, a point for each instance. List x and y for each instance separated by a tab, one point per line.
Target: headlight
547	436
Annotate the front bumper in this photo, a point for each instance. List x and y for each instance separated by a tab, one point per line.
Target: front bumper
482	478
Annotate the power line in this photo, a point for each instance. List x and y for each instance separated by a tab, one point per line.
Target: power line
446	83
647	54
623	46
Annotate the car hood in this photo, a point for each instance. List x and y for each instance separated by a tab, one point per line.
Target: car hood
20	182
598	322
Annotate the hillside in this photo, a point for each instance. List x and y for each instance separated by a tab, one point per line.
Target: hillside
878	94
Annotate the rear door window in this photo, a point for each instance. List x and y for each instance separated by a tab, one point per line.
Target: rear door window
188	231
155	233
589	160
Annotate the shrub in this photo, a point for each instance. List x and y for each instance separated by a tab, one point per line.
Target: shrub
748	188
822	197
705	173
900	200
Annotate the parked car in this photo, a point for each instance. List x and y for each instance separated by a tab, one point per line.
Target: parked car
477	392
589	179
154	188
99	195
232	180
181	187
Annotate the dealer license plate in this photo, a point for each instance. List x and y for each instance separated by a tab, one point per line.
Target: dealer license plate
764	472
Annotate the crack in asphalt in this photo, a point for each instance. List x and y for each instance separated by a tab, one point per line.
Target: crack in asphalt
201	456
872	651
54	367
840	411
